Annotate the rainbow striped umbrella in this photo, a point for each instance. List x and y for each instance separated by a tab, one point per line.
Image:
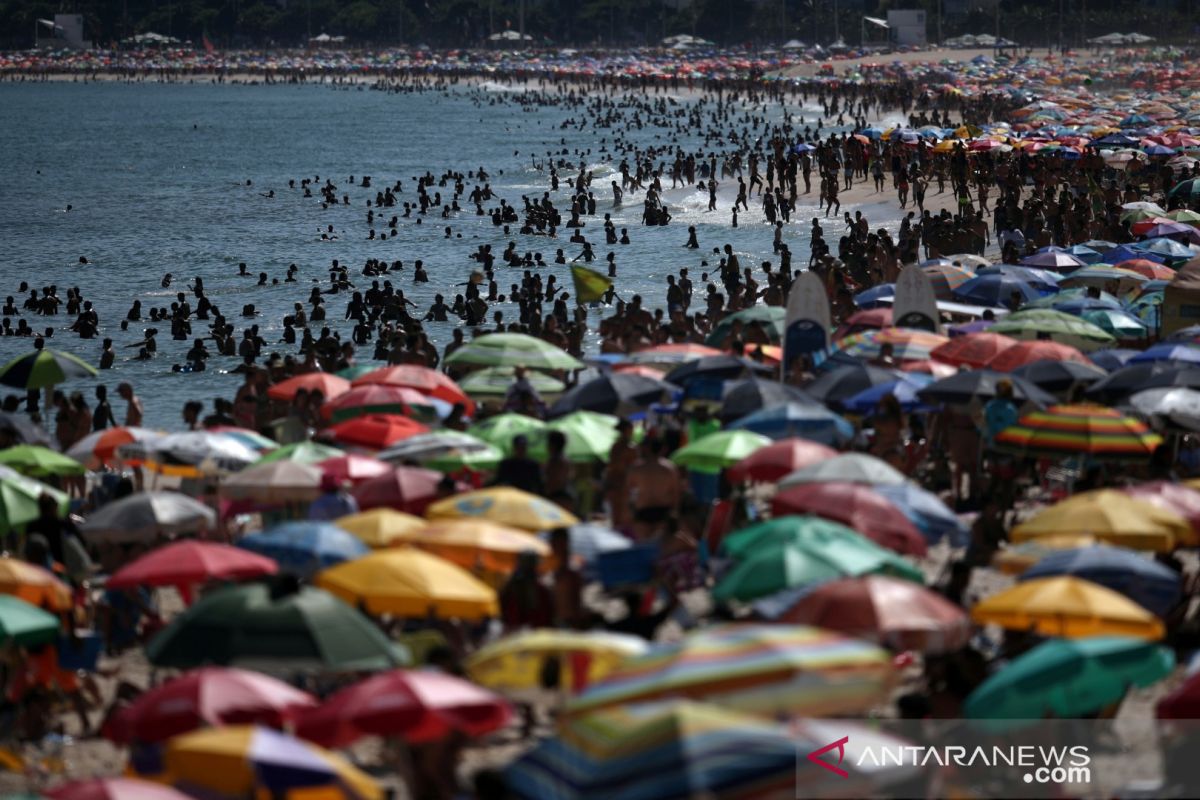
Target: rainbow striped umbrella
908	344
946	278
1093	430
757	669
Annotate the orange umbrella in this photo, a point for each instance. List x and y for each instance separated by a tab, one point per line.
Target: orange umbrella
33	584
423	379
329	385
972	350
1023	353
376	431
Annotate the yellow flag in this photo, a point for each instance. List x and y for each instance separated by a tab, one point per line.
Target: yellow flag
589	284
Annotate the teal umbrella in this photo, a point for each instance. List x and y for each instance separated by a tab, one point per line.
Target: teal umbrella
25	625
1068	678
513	350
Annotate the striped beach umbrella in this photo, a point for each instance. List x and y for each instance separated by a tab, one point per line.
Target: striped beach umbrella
946	278
973	349
43	368
907	344
1093	430
757	669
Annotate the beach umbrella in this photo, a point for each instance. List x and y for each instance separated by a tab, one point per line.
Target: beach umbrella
790	552
875	296
1178	406
476	544
1112	516
480	458
759	669
1148	583
252	439
301	452
191	562
1068	679
1111	359
1059	376
903	390
847	468
20	496
1187	189
207	697
44	368
242	761
589	540
775	460
899	614
1059	260
516	661
1014	559
980	385
33	584
847	381
616	393
506	506
1175	497
1168	351
743	397
1023	353
304	547
671	354
513	350
406	582
857	507
275	482
191	454
413	705
714	368
808	420
926	510
407	489
972	350
590	436
355	371
24	430
499	431
25	625
1059	327
375	431
39	462
1183	702
1099	275
995	290
430	382
1066	607
350	468
435	444
1044	280
769	318
718	450
330	386
1096	431
381	527
496	381
374	399
143	516
1121	324
269	626
946	278
1134	378
117	788
907	344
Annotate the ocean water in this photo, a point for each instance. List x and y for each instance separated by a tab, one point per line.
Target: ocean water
156	178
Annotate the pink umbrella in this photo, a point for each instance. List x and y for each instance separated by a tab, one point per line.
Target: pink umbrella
1172	496
408	489
353	468
114	789
856	506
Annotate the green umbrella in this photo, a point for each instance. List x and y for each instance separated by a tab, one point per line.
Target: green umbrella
25	625
497	380
1059	326
30	459
43	368
303	452
790	552
1068	678
499	431
590	436
272	625
1121	324
513	350
481	459
770	317
19	499
719	450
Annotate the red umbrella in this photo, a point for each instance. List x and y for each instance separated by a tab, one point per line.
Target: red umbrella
423	379
856	506
1183	702
352	468
376	431
1175	497
329	385
972	350
113	789
780	458
1151	269
209	696
190	562
1023	353
419	705
900	614
408	489
373	399
859	321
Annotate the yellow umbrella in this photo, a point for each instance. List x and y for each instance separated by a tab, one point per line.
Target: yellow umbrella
506	506
515	662
1069	607
1015	559
479	544
407	582
35	585
243	760
381	527
1113	517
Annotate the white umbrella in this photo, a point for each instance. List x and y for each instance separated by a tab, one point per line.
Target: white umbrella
142	516
192	452
276	481
84	451
1175	403
425	446
847	468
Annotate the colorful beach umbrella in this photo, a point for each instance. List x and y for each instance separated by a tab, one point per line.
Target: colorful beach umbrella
1023	353
407	489
352	469
773	461
972	350
499	431
1143	580
427	381
855	506
506	506
1059	327
373	399
590	437
99	449
44	368
496	381
517	661
808	420
375	431
301	452
330	386
476	544
1112	516
115	788
1093	430
1066	607
616	393
35	585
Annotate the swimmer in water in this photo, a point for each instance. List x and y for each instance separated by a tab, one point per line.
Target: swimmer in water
166	281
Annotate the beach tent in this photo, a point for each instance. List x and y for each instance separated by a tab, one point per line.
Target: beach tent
1181	299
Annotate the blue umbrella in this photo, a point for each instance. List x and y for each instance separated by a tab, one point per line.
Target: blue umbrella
1084	253
905	390
1117	140
1167	248
589	541
1158	150
1168	351
1043	280
1099	245
809	421
1135	121
1186	335
1127	253
875	295
1112	358
926	510
1141	579
994	290
1078	304
304	548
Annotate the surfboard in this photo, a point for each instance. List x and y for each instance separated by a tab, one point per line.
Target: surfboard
915	305
807	323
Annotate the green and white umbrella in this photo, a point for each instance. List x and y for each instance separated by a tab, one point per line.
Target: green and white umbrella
1057	325
19	499
29	459
500	430
590	436
43	368
513	350
495	381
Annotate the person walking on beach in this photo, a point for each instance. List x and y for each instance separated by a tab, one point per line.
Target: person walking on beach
133	411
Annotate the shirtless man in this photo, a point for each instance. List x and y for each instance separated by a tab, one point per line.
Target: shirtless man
654	490
133	414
